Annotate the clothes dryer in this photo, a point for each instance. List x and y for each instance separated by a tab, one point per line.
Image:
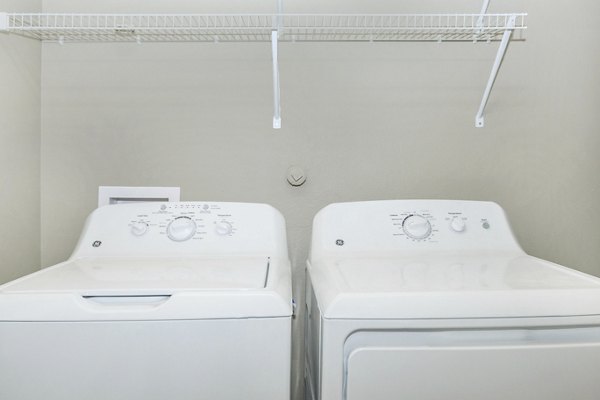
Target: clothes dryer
433	299
183	301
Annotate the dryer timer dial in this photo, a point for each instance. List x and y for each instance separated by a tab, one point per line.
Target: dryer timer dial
416	227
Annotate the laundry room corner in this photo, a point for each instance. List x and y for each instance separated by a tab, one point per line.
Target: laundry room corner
362	119
20	76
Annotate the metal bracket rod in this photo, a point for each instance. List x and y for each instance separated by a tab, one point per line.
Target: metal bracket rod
275	34
279	17
276	92
485	6
510	25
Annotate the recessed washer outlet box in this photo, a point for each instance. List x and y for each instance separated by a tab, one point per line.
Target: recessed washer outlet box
135	194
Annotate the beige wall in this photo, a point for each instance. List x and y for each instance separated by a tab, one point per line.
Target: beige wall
366	121
20	66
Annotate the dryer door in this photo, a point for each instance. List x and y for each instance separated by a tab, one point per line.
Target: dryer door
516	364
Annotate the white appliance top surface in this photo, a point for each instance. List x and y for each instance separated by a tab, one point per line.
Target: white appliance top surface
149	276
423	259
455	273
455	286
134	289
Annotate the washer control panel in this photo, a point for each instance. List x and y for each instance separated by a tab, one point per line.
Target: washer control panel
181	222
379	226
183	229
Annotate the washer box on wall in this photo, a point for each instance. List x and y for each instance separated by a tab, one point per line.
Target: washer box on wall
131	194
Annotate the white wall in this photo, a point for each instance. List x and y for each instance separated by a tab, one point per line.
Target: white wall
20	66
366	121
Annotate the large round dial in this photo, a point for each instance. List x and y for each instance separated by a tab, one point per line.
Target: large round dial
416	227
181	229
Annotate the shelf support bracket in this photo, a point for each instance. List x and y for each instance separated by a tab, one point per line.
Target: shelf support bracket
510	26
276	91
3	22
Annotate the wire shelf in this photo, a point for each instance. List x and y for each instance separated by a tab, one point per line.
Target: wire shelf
275	28
258	27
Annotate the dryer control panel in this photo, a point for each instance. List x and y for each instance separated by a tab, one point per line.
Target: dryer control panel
426	224
404	225
183	229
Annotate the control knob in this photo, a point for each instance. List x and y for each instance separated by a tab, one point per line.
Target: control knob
223	228
181	229
139	228
416	226
457	224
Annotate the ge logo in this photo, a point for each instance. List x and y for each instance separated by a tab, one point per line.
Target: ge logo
339	242
97	243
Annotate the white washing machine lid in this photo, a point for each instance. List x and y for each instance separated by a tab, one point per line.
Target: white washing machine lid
148	288
452	286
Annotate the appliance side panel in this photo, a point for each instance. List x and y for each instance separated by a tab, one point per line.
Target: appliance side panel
312	343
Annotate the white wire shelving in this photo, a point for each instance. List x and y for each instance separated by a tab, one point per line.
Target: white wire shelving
258	27
274	28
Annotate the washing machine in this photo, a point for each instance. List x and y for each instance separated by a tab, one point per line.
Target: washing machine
183	301
432	299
